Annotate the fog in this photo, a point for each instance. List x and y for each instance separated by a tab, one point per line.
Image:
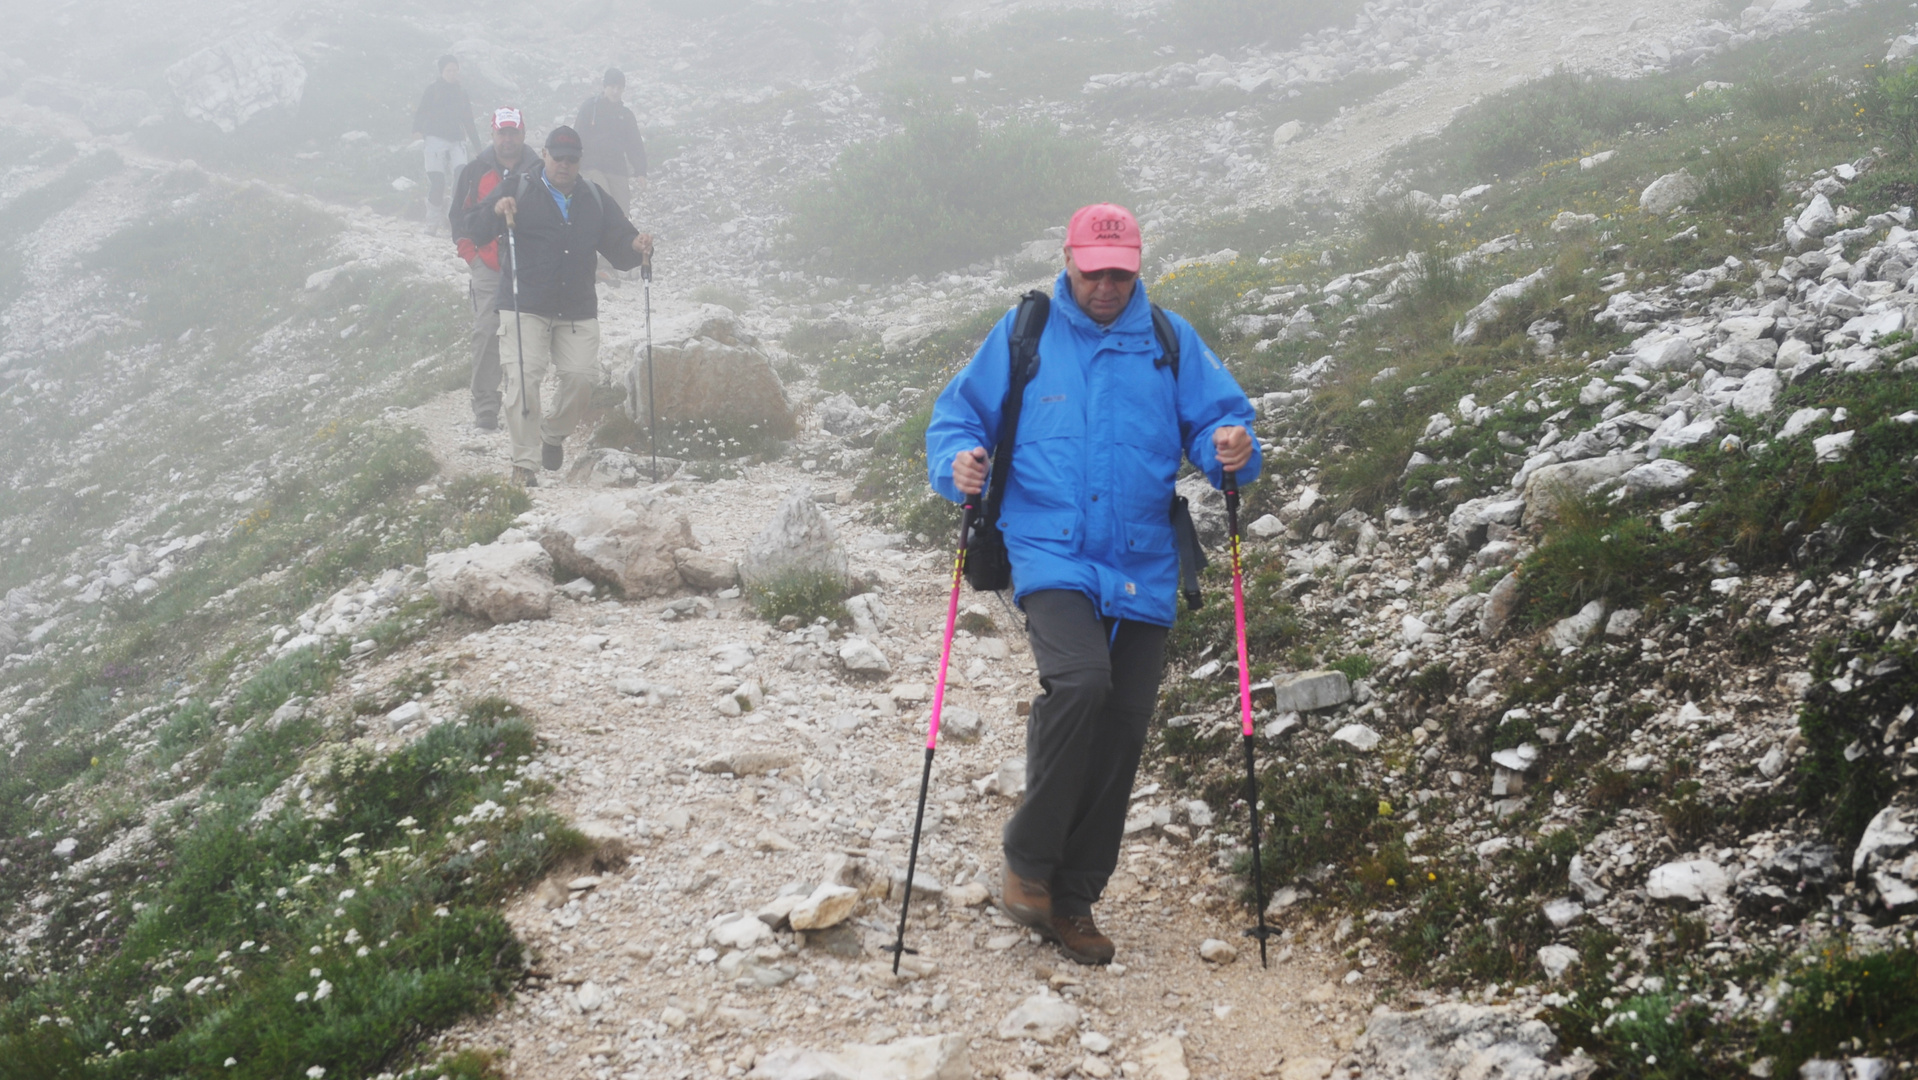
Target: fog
377	702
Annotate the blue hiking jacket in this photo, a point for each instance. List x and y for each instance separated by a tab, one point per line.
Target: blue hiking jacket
1090	500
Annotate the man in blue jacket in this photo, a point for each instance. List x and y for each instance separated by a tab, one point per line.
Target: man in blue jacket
1087	525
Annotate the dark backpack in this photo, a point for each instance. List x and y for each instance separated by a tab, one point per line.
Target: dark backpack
988	567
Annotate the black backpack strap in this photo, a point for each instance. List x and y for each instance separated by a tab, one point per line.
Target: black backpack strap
1191	553
1168	336
1035	308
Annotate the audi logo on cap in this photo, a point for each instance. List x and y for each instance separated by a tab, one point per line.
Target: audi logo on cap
1109	225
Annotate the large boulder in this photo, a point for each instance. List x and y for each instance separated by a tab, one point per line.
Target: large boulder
497	582
1570	480
623	540
229	83
719	376
798	541
1669	192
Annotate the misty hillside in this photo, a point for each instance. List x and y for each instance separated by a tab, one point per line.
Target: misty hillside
1580	580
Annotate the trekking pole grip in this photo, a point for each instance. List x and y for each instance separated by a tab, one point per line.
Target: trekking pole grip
646	265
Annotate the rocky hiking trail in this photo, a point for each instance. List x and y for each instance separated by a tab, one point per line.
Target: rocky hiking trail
702	812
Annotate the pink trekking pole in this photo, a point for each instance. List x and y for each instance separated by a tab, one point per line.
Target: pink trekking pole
898	948
1245	709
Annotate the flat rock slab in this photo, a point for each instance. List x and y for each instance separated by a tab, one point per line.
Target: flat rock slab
1311	691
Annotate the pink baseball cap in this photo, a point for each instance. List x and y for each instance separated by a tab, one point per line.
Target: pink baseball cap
507	117
1104	236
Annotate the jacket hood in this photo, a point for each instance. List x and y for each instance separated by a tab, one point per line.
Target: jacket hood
1135	319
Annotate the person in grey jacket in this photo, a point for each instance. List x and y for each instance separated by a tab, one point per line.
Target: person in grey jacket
615	151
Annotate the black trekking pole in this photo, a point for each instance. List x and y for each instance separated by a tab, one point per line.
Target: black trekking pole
652	427
519	340
898	948
1245	709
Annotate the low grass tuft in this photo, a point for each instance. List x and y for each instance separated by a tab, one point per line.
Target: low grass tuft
807	595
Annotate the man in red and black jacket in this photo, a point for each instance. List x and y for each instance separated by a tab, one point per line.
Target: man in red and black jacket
505	158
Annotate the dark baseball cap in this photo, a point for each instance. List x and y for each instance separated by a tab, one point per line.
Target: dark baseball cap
563	142
614	77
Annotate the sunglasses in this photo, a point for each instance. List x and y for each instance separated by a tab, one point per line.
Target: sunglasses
1117	277
572	159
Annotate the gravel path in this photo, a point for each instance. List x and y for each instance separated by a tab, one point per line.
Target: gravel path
704	844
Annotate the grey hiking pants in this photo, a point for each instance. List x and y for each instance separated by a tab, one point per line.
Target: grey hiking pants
1083	741
486	371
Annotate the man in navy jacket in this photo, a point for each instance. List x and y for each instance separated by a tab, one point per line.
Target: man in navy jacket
552	317
1087	524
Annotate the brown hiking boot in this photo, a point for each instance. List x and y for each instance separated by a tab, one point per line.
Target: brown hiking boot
1079	937
1028	901
525	477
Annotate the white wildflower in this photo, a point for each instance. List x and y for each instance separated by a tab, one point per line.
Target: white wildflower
325	991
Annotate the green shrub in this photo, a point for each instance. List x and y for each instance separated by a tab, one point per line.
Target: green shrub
962	191
1591	551
1894	108
1847	1003
1316	816
1392	228
1356	666
1555	117
1784	503
1742	182
1841	791
807	595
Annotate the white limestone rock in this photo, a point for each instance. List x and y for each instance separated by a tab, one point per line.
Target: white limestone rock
1692	881
1042	1018
500	583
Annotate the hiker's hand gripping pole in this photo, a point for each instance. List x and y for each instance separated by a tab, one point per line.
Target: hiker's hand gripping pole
898	947
1245	709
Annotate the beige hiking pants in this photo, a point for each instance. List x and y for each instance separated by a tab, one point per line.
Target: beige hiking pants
571	349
